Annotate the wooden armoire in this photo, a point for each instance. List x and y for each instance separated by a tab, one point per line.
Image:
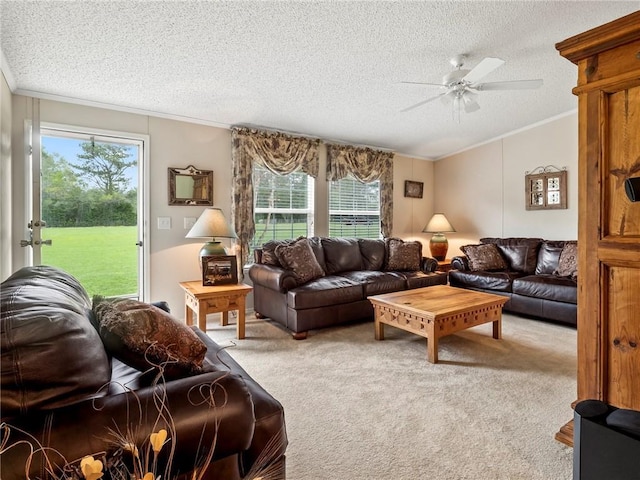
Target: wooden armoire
608	90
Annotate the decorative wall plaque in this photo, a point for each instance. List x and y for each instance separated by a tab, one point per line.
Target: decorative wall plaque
546	188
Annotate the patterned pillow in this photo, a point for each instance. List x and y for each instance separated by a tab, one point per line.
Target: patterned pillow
145	337
568	262
484	257
269	252
403	256
299	258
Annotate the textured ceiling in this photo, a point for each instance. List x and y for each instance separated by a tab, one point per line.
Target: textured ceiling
325	69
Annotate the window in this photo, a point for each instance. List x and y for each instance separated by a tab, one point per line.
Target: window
283	205
354	209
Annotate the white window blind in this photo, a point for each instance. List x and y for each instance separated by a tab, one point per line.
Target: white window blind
354	209
283	205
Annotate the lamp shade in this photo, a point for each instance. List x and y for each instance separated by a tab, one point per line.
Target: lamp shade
211	223
438	224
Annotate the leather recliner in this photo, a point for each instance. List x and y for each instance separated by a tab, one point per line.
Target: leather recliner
61	389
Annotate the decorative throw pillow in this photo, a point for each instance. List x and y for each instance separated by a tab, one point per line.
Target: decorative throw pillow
299	258
269	252
403	256
568	262
484	257
145	337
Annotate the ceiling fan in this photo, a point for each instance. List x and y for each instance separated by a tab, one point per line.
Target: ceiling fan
462	86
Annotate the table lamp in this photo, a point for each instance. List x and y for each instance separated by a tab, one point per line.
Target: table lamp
438	245
212	223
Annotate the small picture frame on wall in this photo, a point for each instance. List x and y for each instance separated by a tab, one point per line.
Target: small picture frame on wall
413	189
219	270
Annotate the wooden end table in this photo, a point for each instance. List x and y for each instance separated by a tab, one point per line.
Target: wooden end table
203	300
444	265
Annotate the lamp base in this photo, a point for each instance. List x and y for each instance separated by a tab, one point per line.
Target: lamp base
212	248
438	245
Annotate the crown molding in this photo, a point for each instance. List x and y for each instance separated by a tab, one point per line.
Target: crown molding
6	71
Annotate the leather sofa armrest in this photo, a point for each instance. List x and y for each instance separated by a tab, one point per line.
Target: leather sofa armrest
274	278
428	264
187	405
460	263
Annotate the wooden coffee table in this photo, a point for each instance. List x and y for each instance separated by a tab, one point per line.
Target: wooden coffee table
433	312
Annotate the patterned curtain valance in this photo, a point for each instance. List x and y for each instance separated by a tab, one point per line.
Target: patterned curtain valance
281	153
366	165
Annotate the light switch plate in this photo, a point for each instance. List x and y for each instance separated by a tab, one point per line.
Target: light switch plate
164	223
189	222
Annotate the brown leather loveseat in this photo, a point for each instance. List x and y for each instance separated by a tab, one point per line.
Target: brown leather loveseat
334	290
539	276
64	389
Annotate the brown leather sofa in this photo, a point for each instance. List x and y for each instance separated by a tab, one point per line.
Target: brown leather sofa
529	278
61	388
352	270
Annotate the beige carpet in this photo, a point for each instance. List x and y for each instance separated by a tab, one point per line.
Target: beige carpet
357	408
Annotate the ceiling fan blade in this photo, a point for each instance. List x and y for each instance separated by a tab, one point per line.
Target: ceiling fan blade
485	67
512	85
421	83
419	104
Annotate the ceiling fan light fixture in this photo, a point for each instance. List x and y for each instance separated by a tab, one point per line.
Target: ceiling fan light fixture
462	86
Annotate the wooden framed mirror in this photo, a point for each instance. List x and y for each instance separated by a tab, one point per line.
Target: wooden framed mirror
546	188
190	186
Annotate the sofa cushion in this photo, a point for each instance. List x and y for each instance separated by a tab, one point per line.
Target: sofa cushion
568	261
50	353
547	287
373	253
325	291
145	337
521	254
485	257
422	279
341	255
376	282
402	256
548	256
318	251
500	281
300	259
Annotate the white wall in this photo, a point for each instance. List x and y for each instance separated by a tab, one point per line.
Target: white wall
6	238
173	258
410	215
482	190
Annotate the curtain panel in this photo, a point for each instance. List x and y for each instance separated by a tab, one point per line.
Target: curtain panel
366	165
280	153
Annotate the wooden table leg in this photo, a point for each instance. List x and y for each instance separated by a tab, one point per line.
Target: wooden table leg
188	313
241	318
432	343
378	327
224	320
432	350
497	328
202	315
